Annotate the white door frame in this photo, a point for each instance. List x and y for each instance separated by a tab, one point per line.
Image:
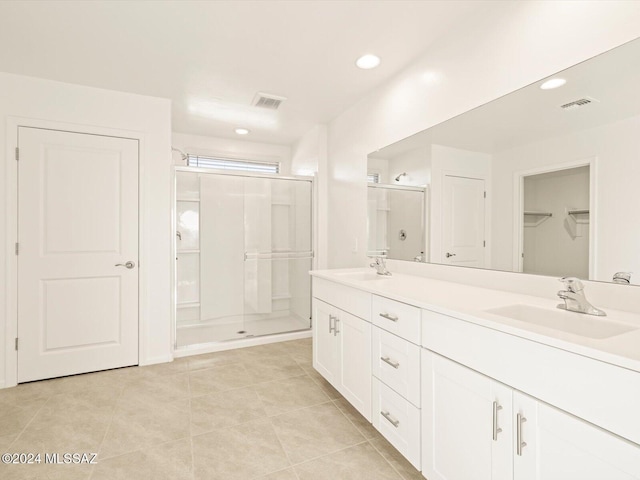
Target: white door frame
11	213
518	211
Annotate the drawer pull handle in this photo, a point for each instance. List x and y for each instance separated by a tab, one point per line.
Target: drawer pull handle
496	430
388	361
388	316
390	419
520	419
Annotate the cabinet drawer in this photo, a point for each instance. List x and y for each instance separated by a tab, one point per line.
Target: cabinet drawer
397	420
396	317
348	299
396	362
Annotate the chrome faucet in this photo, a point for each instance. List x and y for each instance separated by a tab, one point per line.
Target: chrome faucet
380	265
574	299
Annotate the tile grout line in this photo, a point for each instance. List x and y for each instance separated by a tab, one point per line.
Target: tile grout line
328	454
113	414
282	447
193	455
368	440
28	423
385	459
266	417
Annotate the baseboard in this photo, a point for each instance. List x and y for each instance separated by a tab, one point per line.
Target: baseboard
154	360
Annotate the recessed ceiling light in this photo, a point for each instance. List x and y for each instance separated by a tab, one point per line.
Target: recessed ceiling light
368	61
242	131
553	83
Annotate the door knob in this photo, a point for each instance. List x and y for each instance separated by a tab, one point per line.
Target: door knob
128	265
450	255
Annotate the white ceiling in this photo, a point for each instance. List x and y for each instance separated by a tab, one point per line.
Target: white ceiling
211	58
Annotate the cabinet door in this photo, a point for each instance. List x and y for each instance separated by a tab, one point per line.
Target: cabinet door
354	336
460	438
325	344
559	446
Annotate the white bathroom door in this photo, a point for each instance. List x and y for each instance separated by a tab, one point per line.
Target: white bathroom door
77	221
463	221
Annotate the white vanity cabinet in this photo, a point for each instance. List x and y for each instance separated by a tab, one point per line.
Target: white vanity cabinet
462	400
466	423
476	427
342	342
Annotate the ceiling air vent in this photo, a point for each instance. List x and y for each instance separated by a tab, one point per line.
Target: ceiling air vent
267	100
578	103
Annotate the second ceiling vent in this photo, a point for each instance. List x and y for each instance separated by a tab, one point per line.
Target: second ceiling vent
267	100
578	103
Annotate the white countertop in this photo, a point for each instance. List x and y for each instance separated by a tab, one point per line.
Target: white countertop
470	303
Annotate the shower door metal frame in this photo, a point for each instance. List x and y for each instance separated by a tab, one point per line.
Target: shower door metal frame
174	246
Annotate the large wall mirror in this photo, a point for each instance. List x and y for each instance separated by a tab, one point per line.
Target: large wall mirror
544	180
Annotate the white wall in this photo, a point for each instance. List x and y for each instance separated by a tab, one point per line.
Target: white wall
498	51
617	234
381	167
309	157
415	163
80	108
231	148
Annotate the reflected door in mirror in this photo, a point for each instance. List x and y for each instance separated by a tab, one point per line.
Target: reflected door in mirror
463	221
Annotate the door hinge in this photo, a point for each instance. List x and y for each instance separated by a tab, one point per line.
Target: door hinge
17	154
16	343
485	194
17	248
484	243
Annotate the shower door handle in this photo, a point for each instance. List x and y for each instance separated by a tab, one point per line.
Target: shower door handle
128	265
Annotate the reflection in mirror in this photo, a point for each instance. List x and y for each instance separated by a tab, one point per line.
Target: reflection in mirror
397	204
555	227
395	222
538	181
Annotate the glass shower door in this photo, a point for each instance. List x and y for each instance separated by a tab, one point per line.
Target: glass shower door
249	276
278	256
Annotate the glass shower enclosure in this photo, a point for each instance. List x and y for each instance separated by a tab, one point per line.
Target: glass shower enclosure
243	253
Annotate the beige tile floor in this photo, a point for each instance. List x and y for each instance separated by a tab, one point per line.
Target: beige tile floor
259	412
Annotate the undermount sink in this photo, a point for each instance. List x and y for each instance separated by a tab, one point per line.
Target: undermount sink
570	322
362	276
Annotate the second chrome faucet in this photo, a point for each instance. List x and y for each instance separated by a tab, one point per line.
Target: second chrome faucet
574	299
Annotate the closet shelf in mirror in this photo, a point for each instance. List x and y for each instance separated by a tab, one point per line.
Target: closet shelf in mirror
188	251
578	211
538	214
